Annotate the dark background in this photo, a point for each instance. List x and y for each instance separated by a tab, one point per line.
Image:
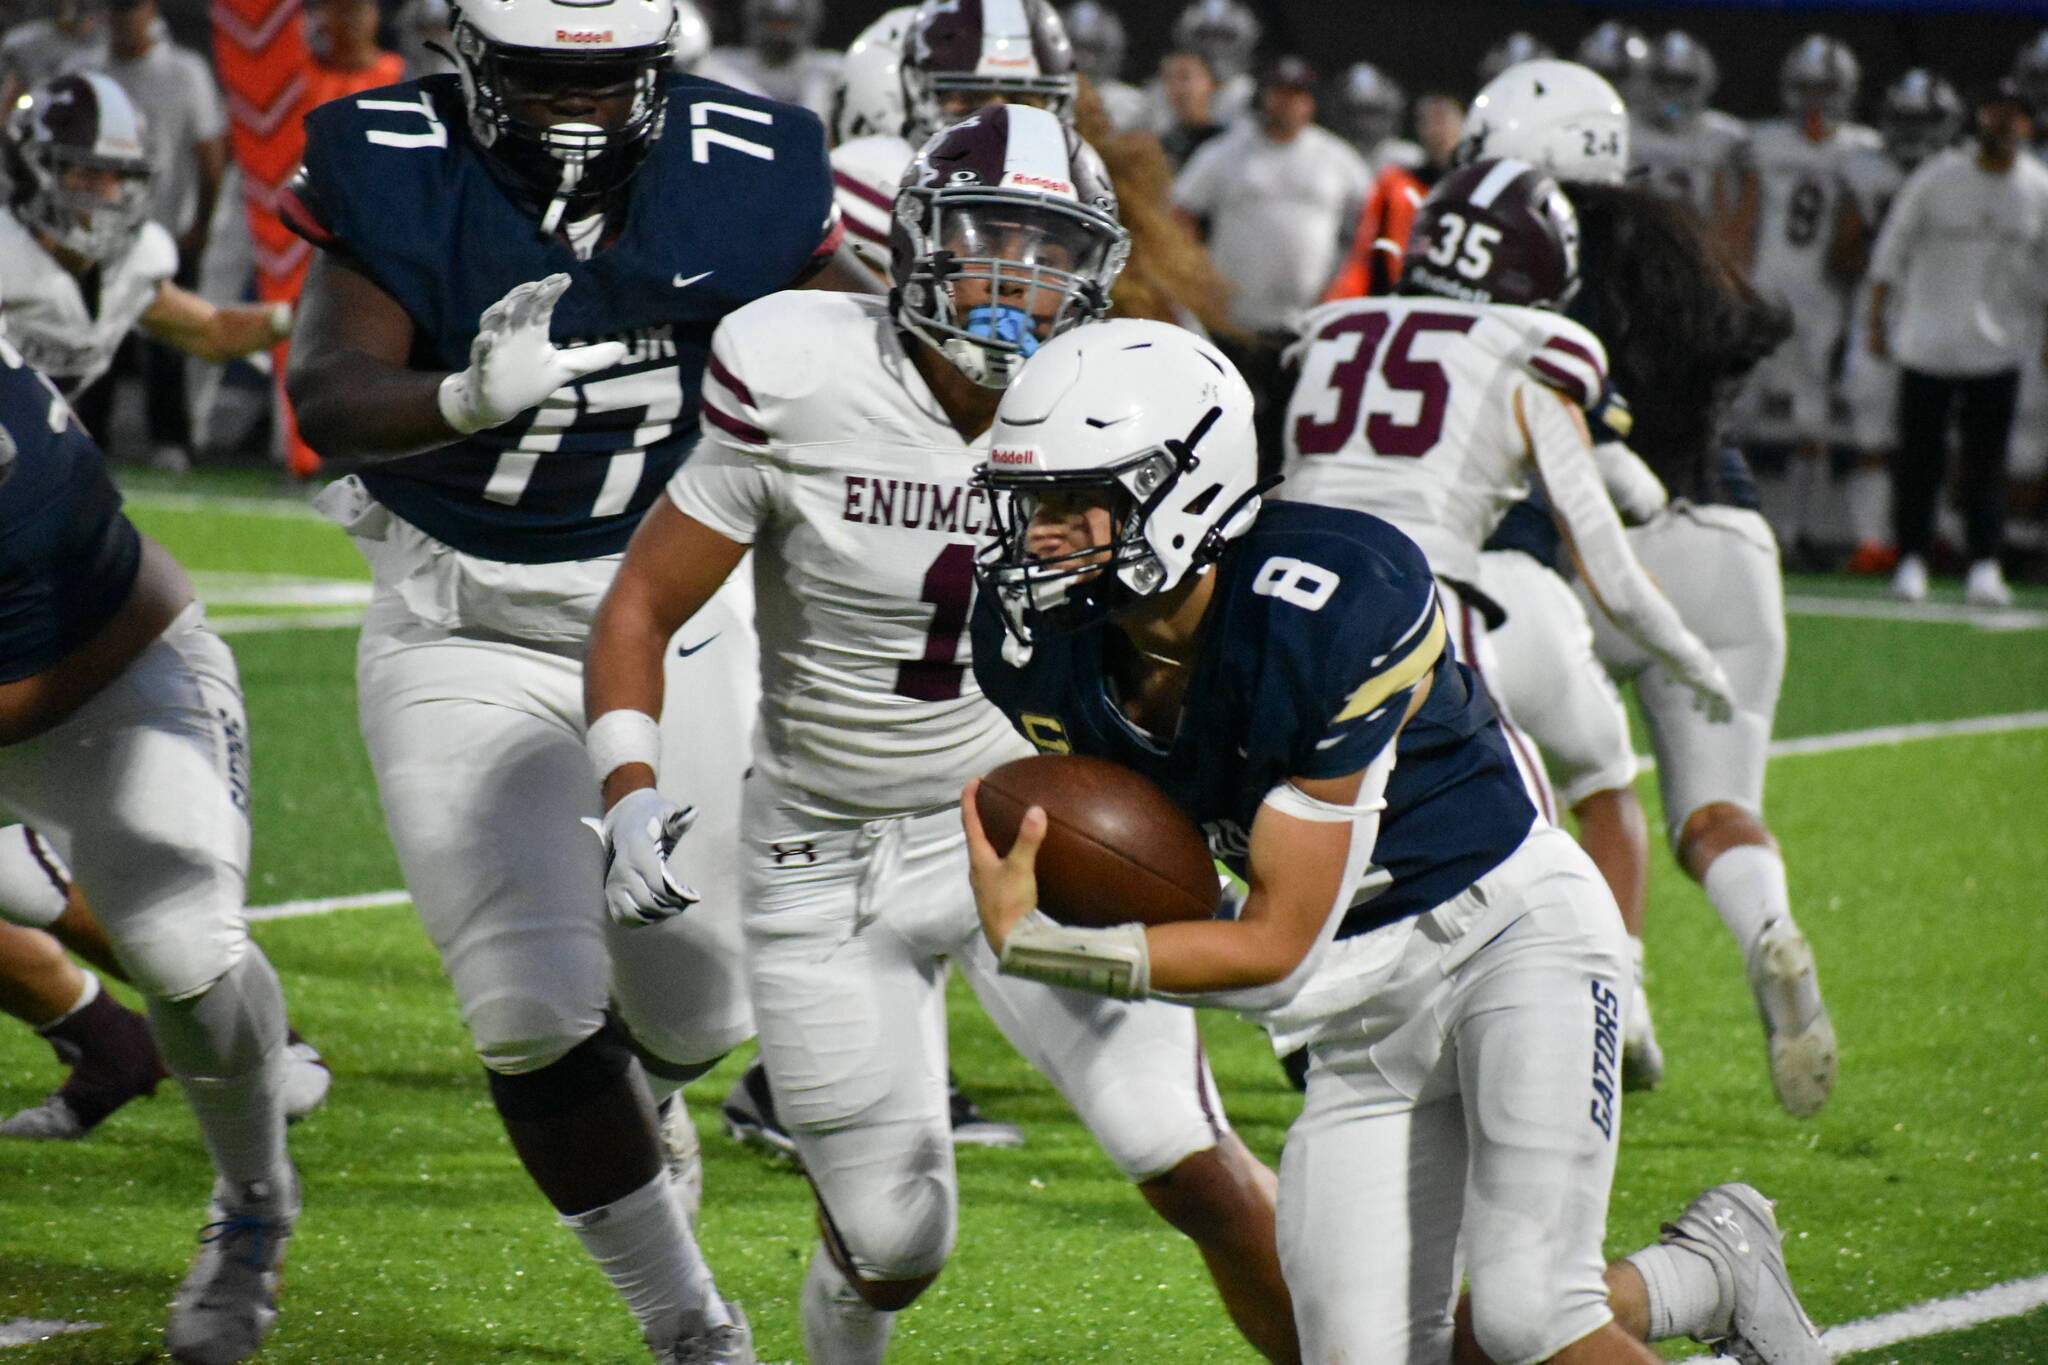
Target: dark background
1437	44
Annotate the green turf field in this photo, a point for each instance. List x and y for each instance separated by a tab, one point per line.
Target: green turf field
1918	870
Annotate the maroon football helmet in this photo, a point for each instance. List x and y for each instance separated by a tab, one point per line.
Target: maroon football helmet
1497	231
961	54
1005	234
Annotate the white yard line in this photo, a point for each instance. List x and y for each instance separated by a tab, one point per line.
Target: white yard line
1943	613
298	620
28	1331
368	900
2007	1300
1890	734
284	508
279	590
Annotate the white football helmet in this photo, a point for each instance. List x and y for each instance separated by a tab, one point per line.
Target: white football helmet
1820	75
1150	418
693	37
868	100
83	123
504	45
1225	32
1560	117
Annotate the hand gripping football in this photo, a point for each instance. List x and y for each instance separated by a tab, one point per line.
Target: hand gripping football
1116	850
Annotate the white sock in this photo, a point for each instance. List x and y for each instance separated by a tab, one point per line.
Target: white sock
1635	952
1870	504
87	993
839	1326
643	1245
1746	885
33	880
241	1119
1686	1296
226	1046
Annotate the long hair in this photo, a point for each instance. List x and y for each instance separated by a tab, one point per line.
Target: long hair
1170	277
1681	325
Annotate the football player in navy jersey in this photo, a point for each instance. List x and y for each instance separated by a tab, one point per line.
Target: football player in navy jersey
521	266
122	736
1454	965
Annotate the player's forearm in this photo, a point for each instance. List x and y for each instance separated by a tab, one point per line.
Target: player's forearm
351	406
1205	956
622	673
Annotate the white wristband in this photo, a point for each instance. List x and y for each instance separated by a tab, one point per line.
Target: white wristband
617	738
1114	962
281	319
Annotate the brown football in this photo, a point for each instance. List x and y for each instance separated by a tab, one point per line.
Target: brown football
1115	849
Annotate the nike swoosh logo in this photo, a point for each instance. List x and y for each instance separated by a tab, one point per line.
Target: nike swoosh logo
682	283
685	651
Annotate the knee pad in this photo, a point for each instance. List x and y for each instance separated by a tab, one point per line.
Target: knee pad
34	882
229	1028
585	1071
900	1234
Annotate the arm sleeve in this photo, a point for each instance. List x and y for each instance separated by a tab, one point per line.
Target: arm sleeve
1578	500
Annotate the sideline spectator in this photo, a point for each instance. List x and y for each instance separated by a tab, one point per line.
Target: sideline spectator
1190	90
1439	127
1277	194
346	58
1965	254
37	49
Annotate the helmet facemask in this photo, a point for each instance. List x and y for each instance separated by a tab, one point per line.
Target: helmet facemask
1164	527
88	204
994	274
571	166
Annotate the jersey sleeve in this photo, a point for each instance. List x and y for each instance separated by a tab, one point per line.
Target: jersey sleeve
156	254
728	483
1561	354
1374	673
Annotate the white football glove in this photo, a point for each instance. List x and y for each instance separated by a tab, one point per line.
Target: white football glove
1712	693
639	834
512	364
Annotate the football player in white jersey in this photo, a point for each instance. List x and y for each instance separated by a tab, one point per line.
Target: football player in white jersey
953	57
81	265
1920	116
1566	119
780	58
841	433
1682	147
1792	217
1681	328
1456	378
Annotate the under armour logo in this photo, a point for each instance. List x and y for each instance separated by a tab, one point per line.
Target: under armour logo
797	852
1725	1220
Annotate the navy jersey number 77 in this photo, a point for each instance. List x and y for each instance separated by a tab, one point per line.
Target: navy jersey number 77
734	202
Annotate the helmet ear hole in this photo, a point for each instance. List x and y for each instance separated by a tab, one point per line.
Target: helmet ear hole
1200	504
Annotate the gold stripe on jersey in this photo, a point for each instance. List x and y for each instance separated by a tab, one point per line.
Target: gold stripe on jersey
1401	673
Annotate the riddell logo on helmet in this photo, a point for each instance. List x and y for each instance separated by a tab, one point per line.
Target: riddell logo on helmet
582	35
1001	456
1025	180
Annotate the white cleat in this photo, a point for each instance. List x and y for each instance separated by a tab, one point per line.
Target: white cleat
683	1154
1733	1227
51	1121
1986	586
1909	580
1796	1026
228	1302
729	1343
306	1080
1642	1061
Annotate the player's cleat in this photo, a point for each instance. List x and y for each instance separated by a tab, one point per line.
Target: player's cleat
1796	1025
113	1060
1872	557
1909	582
1733	1227
228	1301
683	1155
975	1128
1642	1061
749	1115
729	1343
306	1078
1986	586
